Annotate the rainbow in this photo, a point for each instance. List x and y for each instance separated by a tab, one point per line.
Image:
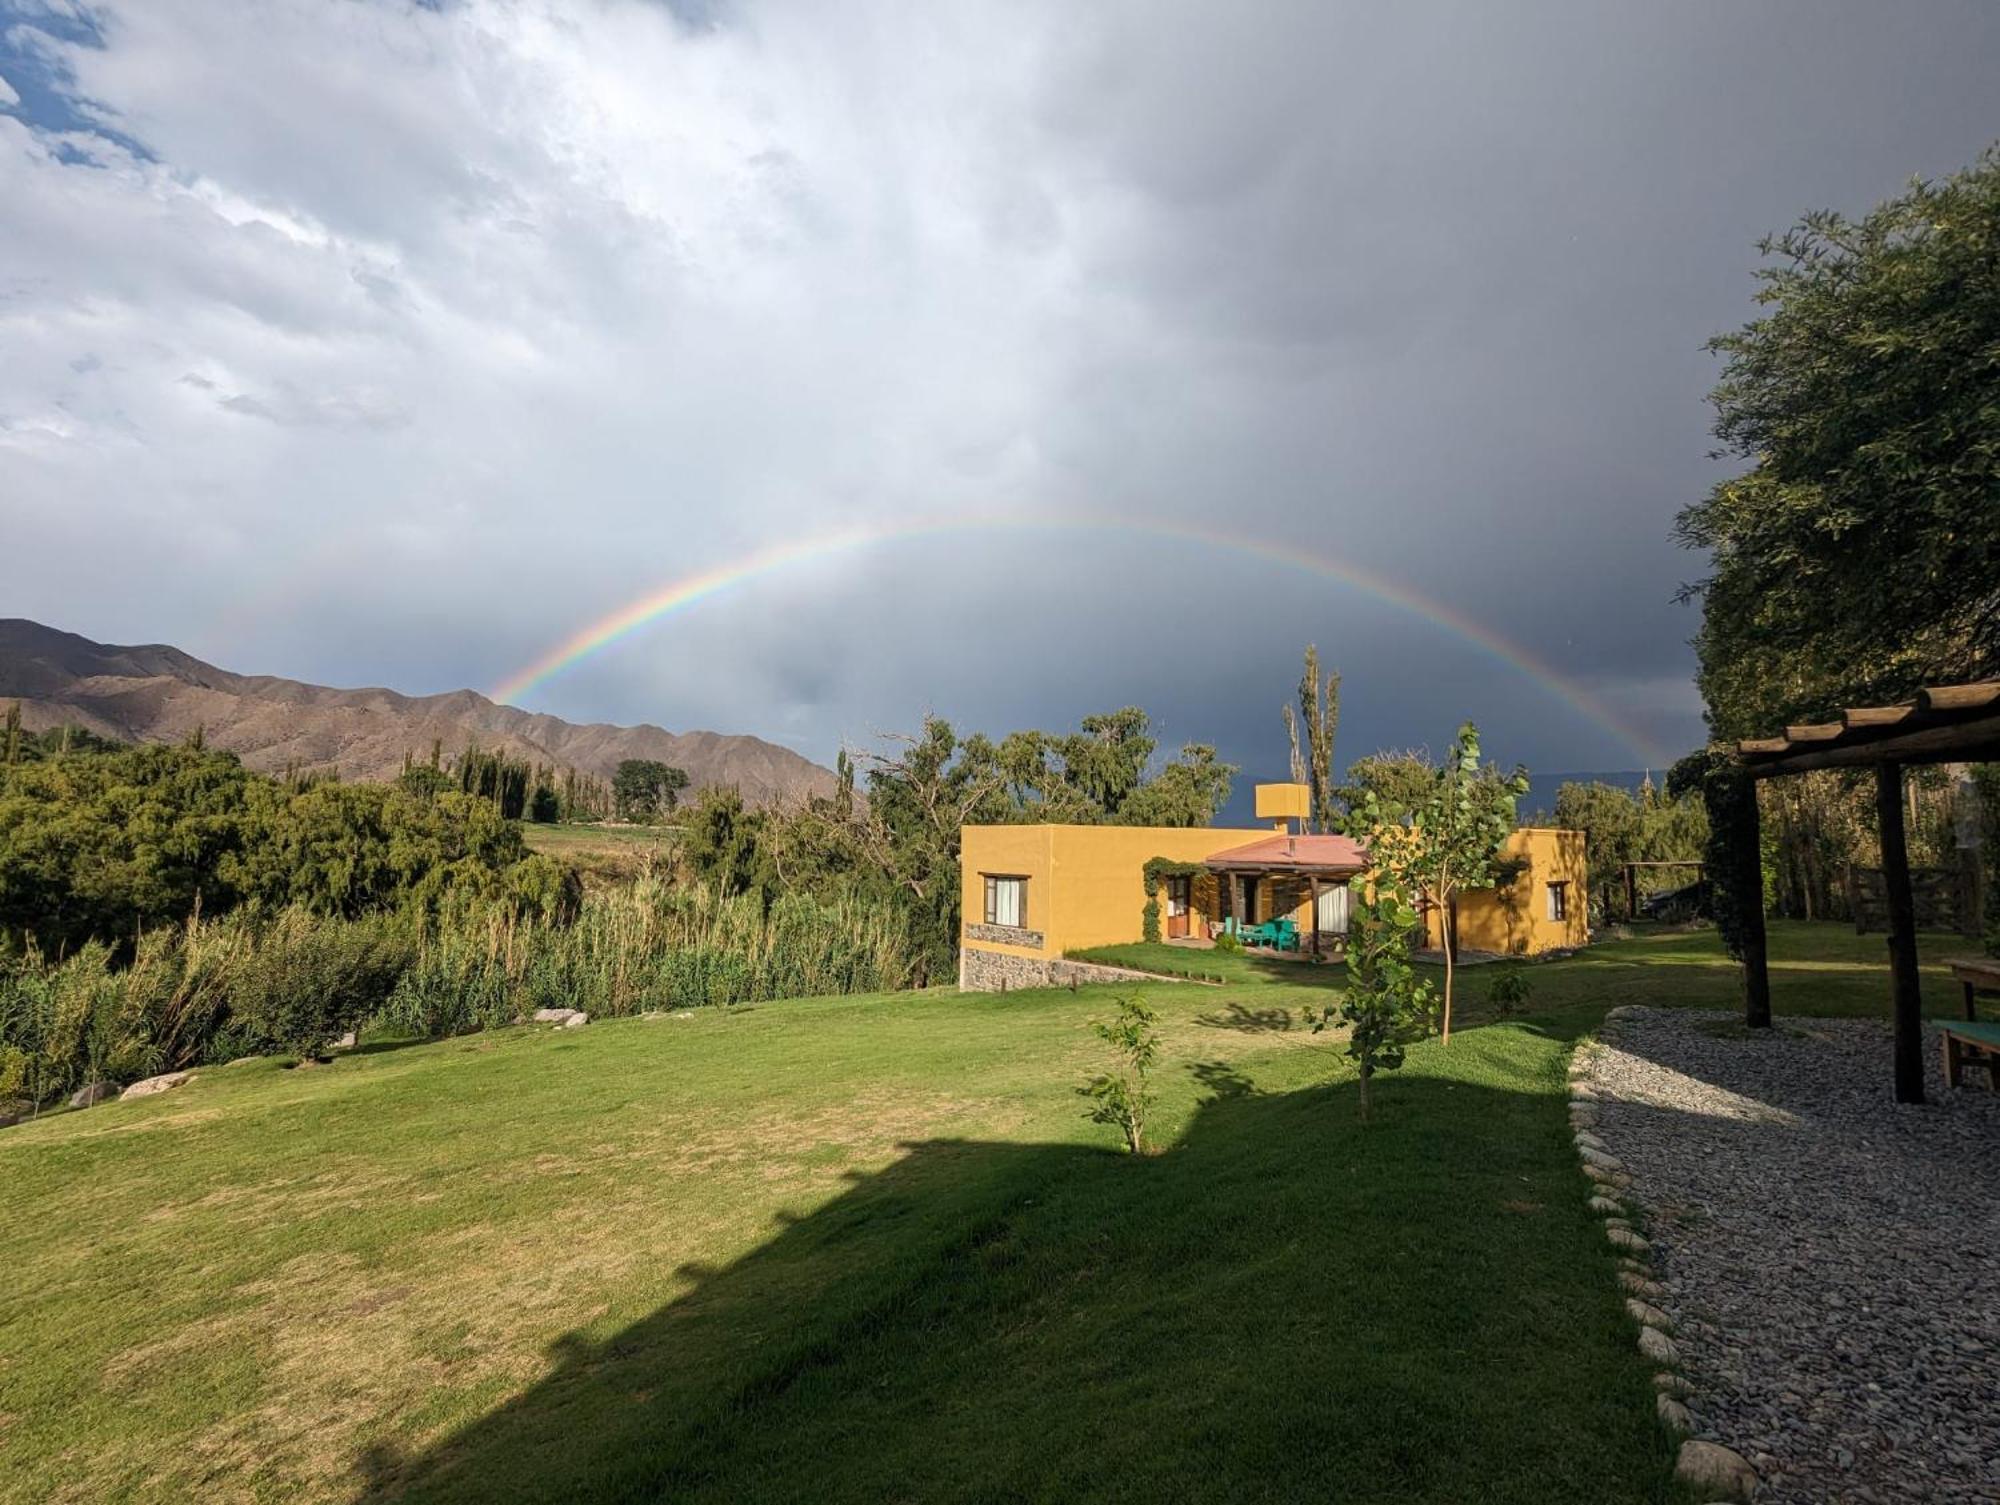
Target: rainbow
691	589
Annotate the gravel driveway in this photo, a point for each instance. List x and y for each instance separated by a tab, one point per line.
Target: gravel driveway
1831	1260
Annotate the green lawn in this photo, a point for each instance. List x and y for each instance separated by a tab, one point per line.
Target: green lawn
861	1248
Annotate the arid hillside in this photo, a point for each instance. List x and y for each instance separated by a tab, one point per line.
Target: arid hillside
154	693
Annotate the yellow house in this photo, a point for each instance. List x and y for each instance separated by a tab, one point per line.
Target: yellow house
1544	908
1032	894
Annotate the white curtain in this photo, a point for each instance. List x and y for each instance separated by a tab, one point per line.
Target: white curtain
1333	910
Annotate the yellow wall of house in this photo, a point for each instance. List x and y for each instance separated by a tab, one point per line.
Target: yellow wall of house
1087	884
1514	920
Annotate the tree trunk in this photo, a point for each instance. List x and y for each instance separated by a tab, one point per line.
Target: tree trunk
1448	933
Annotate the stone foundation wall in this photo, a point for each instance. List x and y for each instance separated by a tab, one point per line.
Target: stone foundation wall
982	971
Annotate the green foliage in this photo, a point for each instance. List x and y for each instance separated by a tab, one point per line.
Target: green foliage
1734	855
1510	989
723	844
1396	780
1986	790
1856	560
1386	1006
1226	942
645	790
1455	832
110	844
1123	1096
1622	826
306	982
497	778
1157	868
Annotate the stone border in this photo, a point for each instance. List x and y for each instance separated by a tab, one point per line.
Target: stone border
1707	1466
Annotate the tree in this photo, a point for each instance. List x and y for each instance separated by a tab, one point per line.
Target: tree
1312	748
1457	830
1186	792
722	842
1611	823
1123	1096
1859	556
1395	779
645	790
1386	1006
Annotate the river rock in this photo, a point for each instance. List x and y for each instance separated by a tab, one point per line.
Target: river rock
1711	1467
93	1094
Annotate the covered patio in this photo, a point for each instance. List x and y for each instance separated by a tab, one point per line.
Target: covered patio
1947	724
1283	874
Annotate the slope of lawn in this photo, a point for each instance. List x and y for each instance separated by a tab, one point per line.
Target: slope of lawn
847	1249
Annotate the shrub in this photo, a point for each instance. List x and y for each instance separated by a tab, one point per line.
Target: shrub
1510	989
1226	941
309	981
1123	1096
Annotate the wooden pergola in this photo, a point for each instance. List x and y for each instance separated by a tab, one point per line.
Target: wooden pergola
1949	724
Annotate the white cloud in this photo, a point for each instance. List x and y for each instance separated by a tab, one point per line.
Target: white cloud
387	342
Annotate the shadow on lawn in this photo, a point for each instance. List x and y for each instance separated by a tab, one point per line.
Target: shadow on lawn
1284	1304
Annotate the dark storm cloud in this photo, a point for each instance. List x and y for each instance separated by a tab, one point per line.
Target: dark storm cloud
396	345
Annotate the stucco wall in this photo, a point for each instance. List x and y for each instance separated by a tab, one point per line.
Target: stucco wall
1514	919
1086	887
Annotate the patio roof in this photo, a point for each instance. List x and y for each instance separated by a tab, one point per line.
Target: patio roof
1945	724
1323	856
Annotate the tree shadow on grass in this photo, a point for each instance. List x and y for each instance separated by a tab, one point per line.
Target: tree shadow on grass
1286	1304
1247	1020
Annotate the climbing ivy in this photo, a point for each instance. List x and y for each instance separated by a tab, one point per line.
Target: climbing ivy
1157	868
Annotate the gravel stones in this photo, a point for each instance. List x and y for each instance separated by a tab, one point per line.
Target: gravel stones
1824	1254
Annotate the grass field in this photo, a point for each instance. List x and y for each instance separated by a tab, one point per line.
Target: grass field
856	1248
603	853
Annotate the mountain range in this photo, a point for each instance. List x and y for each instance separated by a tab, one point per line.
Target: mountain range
155	693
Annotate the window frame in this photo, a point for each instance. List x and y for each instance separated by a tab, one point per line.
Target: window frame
1557	891
992	886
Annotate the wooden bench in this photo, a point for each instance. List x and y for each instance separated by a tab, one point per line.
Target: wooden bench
1976	974
1973	1043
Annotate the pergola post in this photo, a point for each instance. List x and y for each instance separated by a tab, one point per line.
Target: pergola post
1907	990
1748	897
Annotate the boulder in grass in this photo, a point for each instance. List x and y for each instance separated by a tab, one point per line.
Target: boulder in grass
166	1082
93	1094
576	1017
555	1016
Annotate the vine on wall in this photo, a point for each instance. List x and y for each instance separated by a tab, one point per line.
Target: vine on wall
1157	868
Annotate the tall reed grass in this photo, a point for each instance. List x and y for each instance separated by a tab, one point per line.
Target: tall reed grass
213	989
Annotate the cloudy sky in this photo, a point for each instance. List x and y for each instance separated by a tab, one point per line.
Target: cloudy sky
1113	351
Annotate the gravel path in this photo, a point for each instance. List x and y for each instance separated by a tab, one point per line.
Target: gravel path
1831	1260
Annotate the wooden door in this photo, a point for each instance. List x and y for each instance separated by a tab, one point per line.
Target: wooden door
1178	893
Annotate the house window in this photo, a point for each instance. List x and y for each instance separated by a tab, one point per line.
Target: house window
1007	901
1332	918
1558	901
